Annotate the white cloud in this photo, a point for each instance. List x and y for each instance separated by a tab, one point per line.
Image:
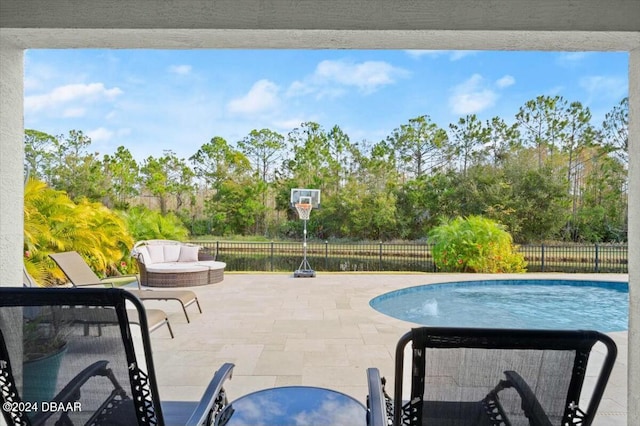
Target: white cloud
453	55
505	81
70	93
298	88
100	134
180	69
291	123
31	83
574	56
418	53
572	59
555	90
74	112
262	96
472	96
332	78
366	76
603	86
124	132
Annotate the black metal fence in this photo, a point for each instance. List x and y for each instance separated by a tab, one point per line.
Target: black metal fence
340	257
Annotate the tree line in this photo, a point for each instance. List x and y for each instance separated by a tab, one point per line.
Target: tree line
549	173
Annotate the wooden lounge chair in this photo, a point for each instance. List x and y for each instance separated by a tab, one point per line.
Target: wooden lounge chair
80	274
473	376
107	379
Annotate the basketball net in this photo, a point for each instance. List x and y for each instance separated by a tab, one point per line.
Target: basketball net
304	210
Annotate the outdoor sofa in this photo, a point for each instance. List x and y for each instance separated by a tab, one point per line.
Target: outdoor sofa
168	263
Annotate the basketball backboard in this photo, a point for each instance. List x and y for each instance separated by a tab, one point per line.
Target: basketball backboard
305	196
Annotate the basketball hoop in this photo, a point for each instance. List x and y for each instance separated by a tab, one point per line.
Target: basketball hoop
304	210
304	200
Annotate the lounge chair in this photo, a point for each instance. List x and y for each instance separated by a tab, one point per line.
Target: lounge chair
99	380
156	318
466	376
80	274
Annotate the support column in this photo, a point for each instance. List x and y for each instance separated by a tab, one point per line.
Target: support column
633	366
11	163
11	187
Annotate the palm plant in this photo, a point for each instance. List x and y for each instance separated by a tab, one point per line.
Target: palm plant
148	224
54	223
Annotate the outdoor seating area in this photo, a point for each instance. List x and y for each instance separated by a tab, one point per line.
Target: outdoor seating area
168	263
277	334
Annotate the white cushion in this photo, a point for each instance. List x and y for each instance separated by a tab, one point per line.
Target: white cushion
176	267
146	257
156	252
188	254
212	264
171	252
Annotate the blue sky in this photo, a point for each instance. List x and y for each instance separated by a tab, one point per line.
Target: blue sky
154	100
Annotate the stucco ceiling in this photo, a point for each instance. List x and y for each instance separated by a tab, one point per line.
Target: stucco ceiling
423	24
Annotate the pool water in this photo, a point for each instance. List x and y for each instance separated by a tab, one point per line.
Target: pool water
541	304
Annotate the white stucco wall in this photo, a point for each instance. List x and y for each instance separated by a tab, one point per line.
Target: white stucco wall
11	160
633	393
393	24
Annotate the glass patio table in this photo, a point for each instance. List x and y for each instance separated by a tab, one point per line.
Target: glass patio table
295	405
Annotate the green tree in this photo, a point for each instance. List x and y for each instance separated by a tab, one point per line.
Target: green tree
167	177
578	135
602	215
375	219
38	152
216	162
467	139
502	140
615	130
236	208
538	197
76	170
263	148
421	201
540	123
418	145
309	152
123	175
340	159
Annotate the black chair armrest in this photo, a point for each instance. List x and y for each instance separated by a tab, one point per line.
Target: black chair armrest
214	398
376	402
71	391
530	404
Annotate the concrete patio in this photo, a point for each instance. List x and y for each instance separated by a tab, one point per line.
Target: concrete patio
283	331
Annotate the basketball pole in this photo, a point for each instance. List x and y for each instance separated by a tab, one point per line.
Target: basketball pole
304	270
304	200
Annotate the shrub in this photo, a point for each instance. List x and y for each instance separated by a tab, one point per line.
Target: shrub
54	223
146	224
475	244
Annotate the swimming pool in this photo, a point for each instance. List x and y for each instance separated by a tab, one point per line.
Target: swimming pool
543	304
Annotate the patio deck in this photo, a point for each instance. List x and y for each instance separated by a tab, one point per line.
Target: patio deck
319	331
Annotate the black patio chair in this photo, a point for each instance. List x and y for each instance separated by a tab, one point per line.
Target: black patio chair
468	376
105	379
